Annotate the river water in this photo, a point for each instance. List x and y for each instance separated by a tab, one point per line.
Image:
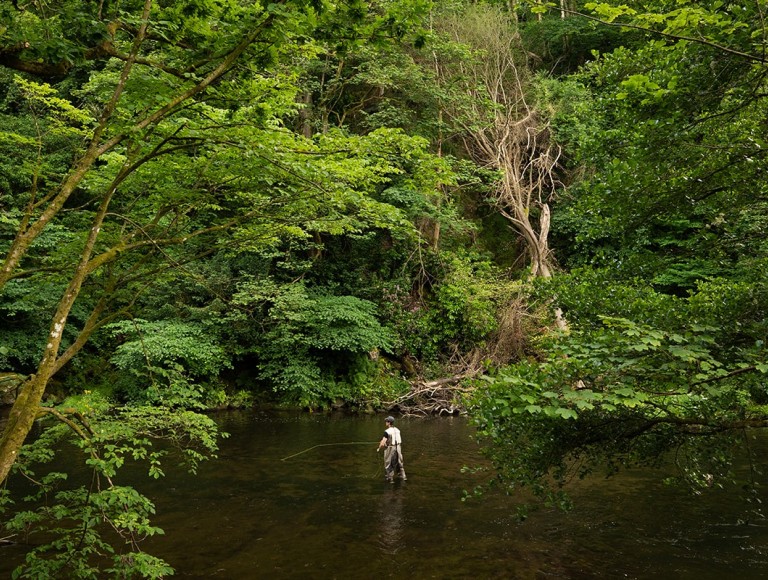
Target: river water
275	506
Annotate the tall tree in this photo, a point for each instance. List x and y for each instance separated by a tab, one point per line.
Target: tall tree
182	143
153	77
667	297
154	135
504	128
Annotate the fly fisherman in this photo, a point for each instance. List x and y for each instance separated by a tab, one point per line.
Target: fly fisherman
393	453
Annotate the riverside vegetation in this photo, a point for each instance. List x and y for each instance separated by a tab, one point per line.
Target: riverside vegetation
550	216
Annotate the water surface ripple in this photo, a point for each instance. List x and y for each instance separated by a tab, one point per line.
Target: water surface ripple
328	513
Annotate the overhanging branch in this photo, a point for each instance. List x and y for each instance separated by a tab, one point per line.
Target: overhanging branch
762	59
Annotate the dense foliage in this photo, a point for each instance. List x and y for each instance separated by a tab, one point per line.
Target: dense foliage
209	203
661	233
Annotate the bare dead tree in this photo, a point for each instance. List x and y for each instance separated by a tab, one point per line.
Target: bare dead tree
502	128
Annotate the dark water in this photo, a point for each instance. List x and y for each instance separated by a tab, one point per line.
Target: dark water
328	513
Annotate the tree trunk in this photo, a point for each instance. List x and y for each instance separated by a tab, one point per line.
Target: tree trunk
305	117
20	422
26	406
97	147
504	131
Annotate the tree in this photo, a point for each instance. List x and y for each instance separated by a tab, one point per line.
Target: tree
164	142
176	103
504	129
97	528
616	393
133	126
682	122
666	298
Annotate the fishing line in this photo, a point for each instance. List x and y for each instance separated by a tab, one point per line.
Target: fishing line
329	444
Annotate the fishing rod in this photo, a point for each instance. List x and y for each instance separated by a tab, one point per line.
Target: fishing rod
328	445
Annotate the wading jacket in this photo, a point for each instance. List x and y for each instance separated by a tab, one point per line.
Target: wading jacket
393	437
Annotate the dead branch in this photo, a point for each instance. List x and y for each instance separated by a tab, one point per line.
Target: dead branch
436	397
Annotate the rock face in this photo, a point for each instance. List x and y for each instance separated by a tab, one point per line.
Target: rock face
9	383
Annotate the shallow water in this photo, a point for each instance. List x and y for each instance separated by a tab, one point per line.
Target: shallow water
257	512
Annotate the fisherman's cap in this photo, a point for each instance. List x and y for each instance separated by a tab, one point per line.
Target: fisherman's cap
389	419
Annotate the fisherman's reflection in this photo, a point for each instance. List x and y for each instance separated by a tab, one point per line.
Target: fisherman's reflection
391	521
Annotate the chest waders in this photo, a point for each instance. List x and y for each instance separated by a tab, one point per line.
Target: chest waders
393	456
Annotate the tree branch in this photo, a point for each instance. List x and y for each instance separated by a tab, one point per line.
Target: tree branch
676	37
